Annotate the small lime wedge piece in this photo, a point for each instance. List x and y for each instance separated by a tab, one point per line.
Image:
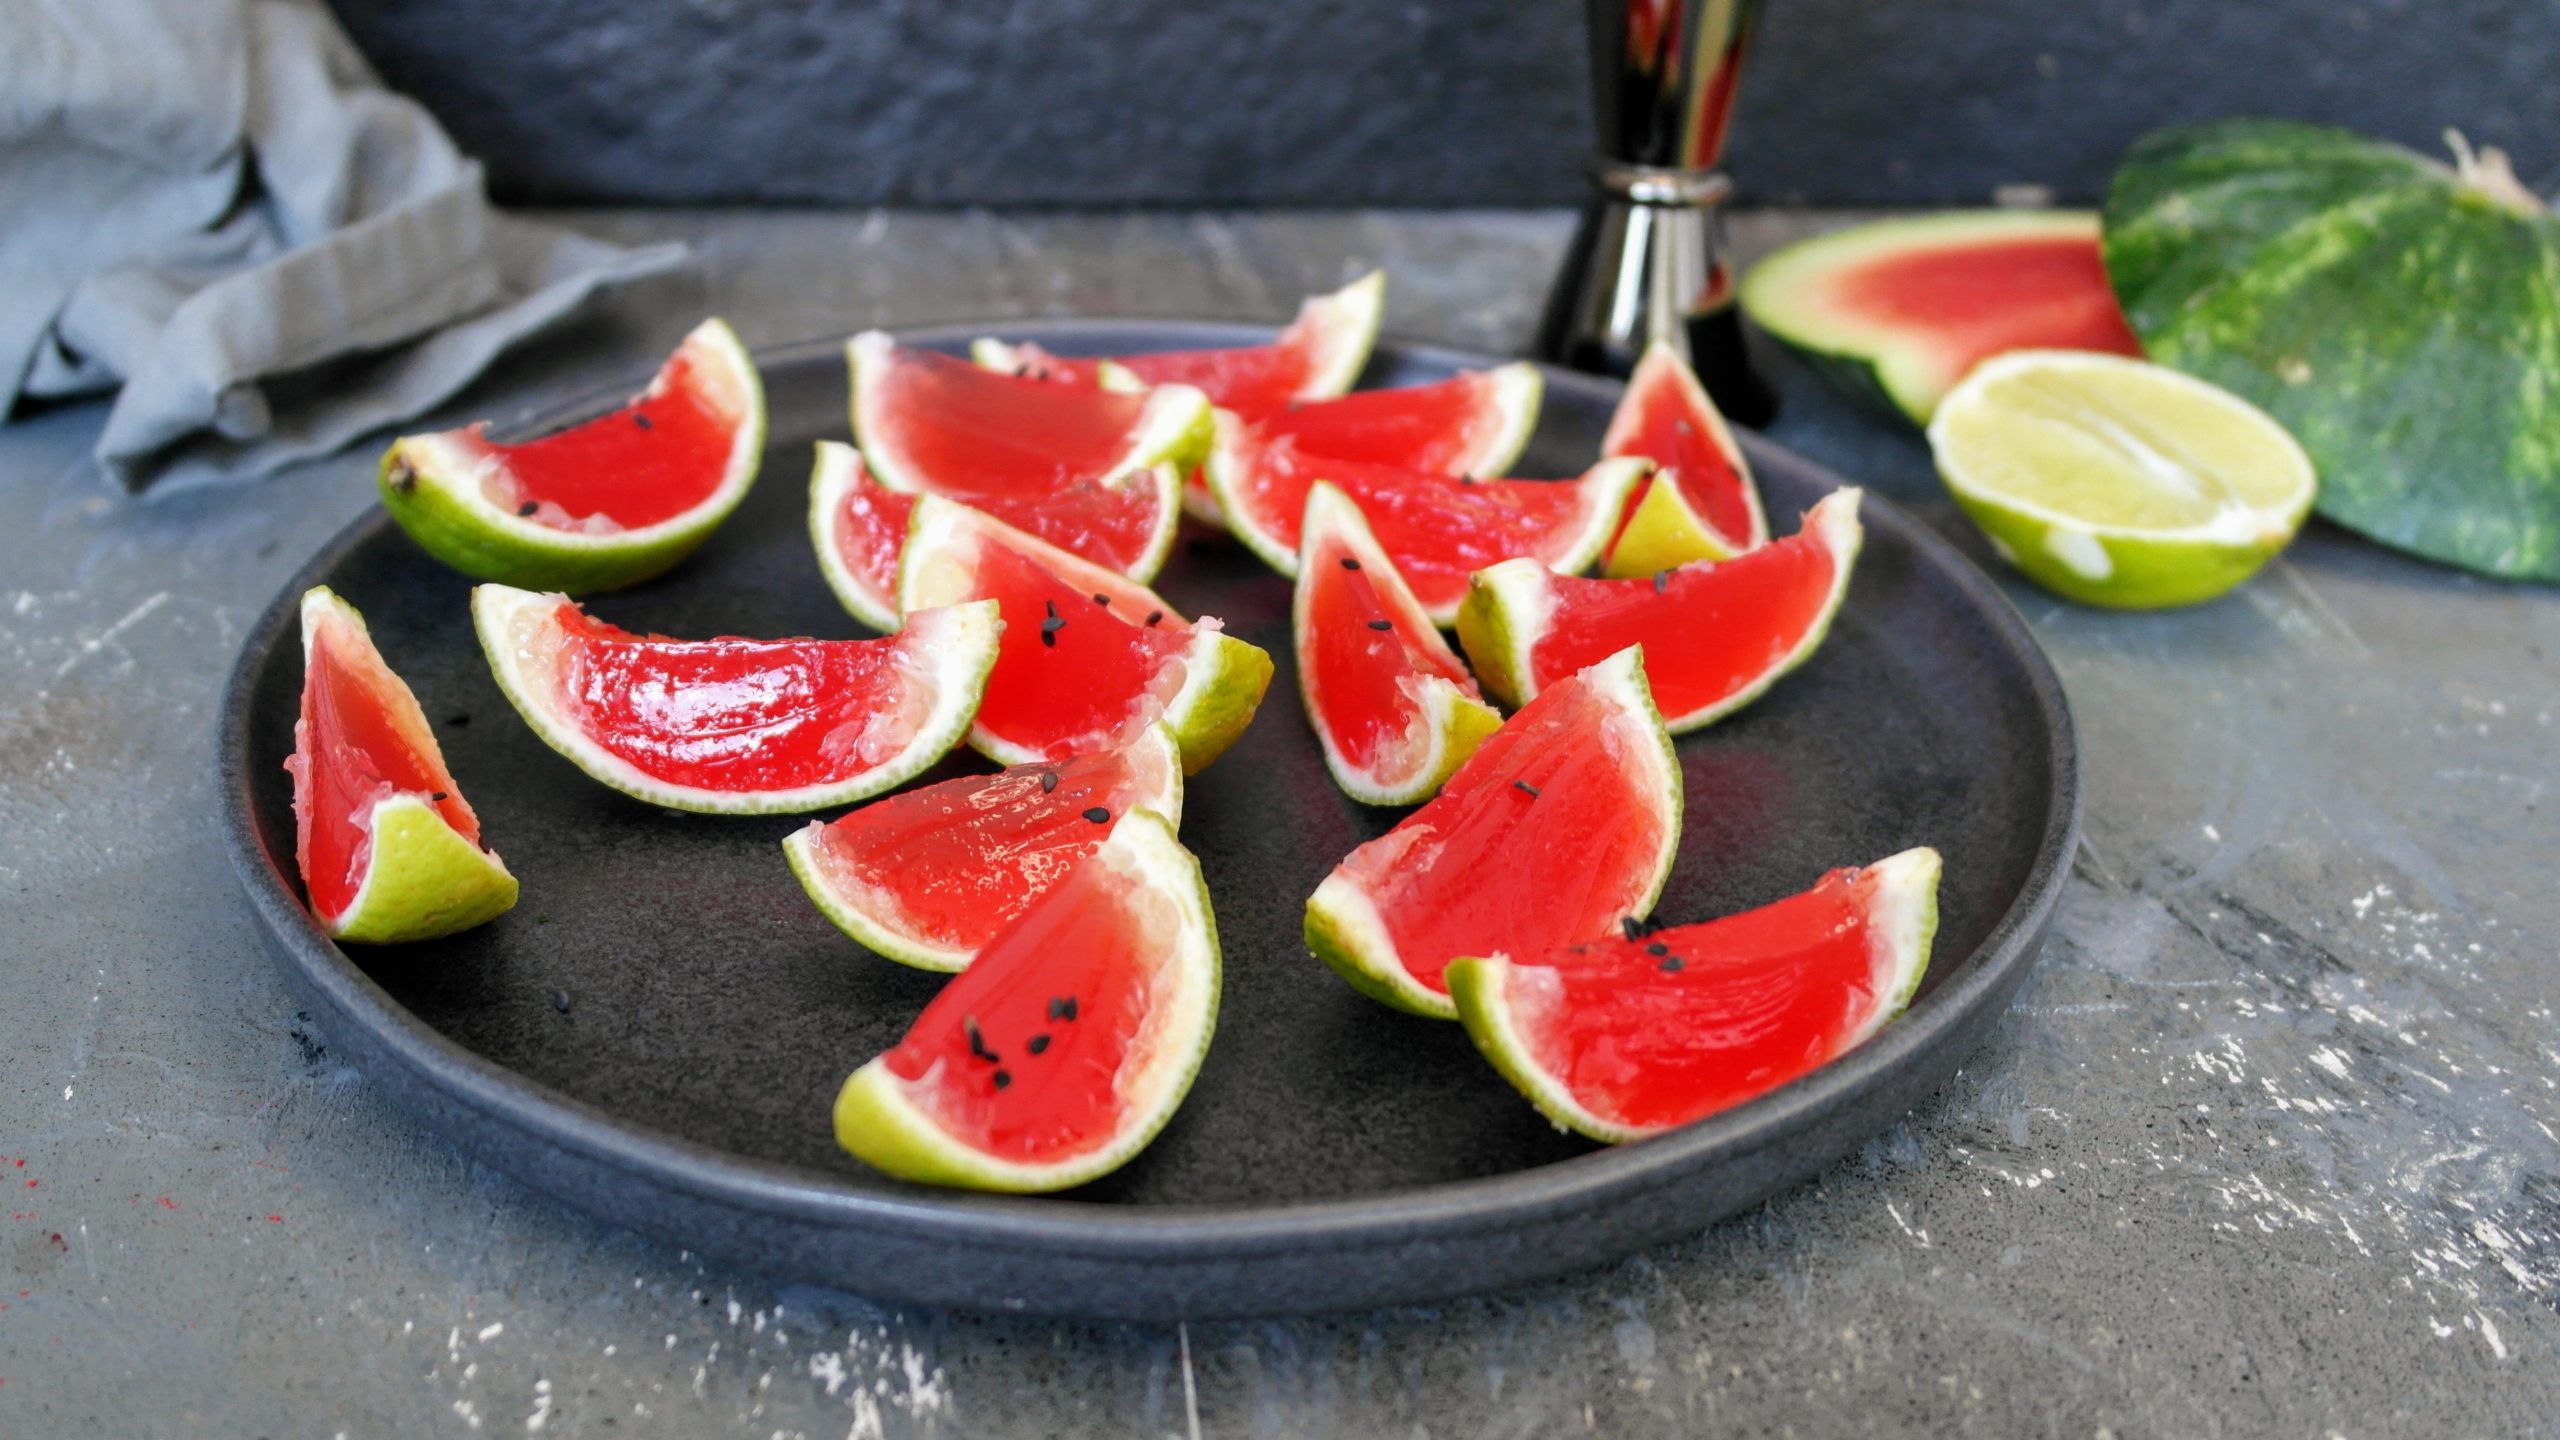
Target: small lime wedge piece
2117	482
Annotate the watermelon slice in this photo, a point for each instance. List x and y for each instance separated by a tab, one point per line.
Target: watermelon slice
1319	356
927	877
1715	636
1095	472
1701	505
1560	826
600	505
1057	1056
1089	659
1394	708
388	848
1438	528
1473	423
731	726
1895	313
858	526
1627	1036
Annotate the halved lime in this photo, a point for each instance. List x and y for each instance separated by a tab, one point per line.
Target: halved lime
2118	482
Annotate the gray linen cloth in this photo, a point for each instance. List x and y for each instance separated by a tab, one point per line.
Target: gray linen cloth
215	205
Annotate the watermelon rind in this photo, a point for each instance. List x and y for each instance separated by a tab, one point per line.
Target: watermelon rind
1173	431
1664	530
871	918
2400	316
1902	923
2115	567
1223	678
1509	606
1343	928
423	880
431	484
1454	722
1890	370
837	467
878	1124
948	650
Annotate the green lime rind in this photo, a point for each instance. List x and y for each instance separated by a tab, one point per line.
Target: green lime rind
1222	691
2116	570
2110	565
878	1124
2400	316
424	879
951	649
1664	532
1902	923
1174	431
874	924
1895	372
1342	926
1505	610
431	485
1455	722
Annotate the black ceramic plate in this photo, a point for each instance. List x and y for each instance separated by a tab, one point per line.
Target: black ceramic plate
1334	1153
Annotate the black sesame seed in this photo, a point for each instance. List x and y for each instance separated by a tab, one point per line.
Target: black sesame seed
642	420
1350	564
1657	948
1153	616
1101	599
527	508
1048	781
403	479
1062	1007
1661	580
1382	624
1003	1079
1036	1044
1633	926
1672	964
560	1001
1525	788
1098	815
1051	606
438	797
1049	637
977	1042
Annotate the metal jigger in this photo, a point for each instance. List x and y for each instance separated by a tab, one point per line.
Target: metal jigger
1647	261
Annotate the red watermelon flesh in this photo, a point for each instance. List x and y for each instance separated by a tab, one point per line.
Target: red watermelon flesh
1439	529
1668	418
946	867
1443	427
860	526
731	714
1025	1048
360	739
1714	634
1046	459
1361	651
1980	298
1559	826
653	460
1647	1032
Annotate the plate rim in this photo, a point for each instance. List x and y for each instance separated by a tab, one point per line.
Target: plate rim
1048	1226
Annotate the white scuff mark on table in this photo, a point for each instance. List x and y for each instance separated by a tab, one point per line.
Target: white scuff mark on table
108	636
1918	1236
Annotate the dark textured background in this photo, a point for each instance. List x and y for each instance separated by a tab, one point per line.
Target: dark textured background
1439	102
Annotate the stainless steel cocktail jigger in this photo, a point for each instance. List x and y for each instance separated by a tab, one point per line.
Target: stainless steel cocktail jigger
1647	262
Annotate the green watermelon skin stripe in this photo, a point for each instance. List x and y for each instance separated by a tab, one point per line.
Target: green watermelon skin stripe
2404	326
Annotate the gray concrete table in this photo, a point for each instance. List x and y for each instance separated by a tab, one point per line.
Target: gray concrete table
2267	1146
